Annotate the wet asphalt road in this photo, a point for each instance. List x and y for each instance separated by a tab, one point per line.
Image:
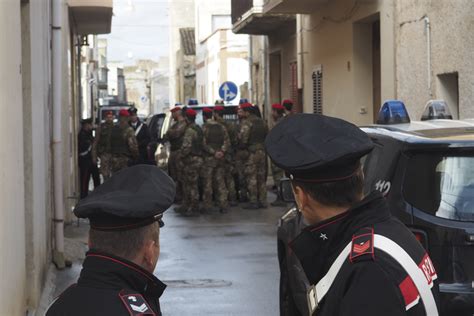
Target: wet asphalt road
220	264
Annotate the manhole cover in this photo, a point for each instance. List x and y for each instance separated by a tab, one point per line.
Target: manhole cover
203	283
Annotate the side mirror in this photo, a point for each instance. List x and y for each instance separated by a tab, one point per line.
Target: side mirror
286	190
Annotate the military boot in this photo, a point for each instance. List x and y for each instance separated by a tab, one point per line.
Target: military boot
262	204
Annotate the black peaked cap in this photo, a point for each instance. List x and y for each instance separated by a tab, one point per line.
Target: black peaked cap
131	198
317	147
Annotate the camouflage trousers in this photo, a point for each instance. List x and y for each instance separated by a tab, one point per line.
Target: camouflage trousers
255	173
277	174
190	181
214	182
106	165
118	162
240	159
174	171
229	173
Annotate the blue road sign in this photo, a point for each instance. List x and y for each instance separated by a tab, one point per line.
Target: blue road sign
228	91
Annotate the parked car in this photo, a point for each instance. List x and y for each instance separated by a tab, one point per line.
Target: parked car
158	125
426	172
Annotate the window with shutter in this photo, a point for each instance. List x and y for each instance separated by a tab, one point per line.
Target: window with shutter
318	90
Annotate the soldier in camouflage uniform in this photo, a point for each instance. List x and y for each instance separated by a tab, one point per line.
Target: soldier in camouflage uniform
241	156
231	171
191	157
175	137
251	138
123	143
278	112
216	144
101	147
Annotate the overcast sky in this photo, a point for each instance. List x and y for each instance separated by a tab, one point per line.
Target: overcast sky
139	30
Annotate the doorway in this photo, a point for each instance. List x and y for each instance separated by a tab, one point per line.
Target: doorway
366	67
449	91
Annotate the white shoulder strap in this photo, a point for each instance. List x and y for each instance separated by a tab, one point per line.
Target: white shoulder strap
138	129
318	292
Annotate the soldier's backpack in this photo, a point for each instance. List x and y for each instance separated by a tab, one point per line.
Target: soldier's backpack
215	135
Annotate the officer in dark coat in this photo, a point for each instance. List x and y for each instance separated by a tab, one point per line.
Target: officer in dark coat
358	258
125	215
142	133
87	165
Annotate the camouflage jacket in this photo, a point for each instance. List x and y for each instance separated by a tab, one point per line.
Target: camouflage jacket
131	141
125	143
207	146
232	130
246	130
175	134
101	143
192	141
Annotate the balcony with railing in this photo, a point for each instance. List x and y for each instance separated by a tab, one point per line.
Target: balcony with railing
248	17
292	6
91	16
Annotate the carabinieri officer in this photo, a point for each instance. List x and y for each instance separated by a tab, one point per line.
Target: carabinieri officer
125	215
358	258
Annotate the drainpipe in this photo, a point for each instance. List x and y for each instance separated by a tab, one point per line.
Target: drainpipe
250	68
428	51
58	220
266	76
300	58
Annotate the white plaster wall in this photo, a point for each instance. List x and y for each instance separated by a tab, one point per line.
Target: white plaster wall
70	123
327	40
205	9
452	46
238	73
37	153
223	56
12	225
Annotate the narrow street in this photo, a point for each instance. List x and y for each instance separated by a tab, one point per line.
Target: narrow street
197	88
220	264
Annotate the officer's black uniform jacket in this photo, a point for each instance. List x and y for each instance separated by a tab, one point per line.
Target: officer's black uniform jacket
109	285
85	140
143	139
374	283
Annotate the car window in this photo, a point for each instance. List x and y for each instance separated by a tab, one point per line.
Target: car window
441	185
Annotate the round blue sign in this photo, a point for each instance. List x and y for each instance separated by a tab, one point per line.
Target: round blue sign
228	91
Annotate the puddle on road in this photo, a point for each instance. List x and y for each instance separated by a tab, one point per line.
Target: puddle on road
199	283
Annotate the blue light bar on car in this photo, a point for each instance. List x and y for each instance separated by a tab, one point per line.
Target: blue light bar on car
393	112
192	102
436	110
